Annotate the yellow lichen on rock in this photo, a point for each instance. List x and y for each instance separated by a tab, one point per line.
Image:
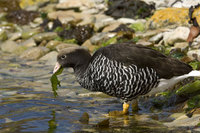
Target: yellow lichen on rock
25	3
169	16
196	14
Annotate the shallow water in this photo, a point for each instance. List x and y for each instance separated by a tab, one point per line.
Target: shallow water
27	103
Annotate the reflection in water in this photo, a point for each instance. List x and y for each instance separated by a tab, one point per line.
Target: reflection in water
52	123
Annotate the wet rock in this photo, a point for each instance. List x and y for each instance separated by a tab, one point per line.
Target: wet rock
12	47
3	35
180	34
45	36
129	9
21	17
65	45
29	43
84	118
157	38
52	44
29	32
103	124
94	94
34	53
50	58
9	46
184	121
194	54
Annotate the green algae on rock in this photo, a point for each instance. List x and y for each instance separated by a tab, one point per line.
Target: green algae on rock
55	82
190	89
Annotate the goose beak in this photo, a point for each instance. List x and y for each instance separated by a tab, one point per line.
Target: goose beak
56	68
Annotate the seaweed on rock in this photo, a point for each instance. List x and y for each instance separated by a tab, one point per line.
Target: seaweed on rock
129	9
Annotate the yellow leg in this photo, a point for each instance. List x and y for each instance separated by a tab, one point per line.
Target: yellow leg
125	108
120	113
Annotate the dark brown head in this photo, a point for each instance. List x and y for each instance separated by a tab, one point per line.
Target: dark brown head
75	57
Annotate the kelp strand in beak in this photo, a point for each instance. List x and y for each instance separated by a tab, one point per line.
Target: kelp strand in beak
55	82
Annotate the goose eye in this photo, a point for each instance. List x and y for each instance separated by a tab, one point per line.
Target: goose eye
63	57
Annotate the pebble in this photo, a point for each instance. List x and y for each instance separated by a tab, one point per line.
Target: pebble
9	46
15	36
52	44
34	53
45	36
29	32
50	58
65	45
29	43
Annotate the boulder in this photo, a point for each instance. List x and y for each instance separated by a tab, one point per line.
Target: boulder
180	34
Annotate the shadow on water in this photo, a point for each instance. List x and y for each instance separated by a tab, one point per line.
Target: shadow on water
27	103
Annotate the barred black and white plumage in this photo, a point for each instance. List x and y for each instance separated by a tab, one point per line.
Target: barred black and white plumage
124	70
116	79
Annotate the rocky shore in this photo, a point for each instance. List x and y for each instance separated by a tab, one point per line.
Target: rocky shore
38	30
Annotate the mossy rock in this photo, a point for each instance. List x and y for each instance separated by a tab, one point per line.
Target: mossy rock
9	5
171	16
190	89
137	26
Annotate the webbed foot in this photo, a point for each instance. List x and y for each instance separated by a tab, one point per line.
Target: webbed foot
120	113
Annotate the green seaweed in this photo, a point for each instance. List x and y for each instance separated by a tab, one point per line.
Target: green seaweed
195	65
137	26
55	82
189	89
